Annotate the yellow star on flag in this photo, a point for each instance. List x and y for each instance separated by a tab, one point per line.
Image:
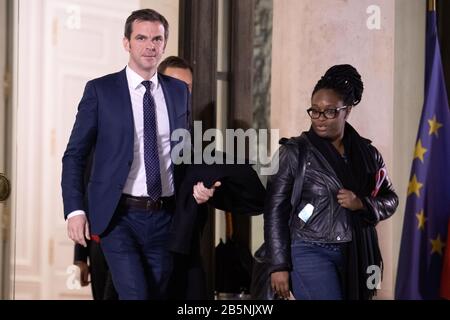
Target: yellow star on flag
419	151
434	126
437	245
421	220
414	186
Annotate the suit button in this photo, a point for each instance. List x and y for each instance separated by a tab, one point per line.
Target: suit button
130	163
120	186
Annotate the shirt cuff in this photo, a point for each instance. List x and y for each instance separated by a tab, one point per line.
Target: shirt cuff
75	213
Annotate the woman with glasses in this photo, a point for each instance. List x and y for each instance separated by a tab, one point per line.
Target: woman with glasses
330	191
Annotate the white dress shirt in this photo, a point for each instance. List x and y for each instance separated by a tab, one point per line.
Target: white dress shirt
136	182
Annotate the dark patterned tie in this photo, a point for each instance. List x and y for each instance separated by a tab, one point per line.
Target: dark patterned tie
151	154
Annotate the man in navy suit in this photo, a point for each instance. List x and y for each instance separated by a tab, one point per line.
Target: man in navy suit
126	120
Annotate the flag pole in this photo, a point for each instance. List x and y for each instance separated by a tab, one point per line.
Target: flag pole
431	5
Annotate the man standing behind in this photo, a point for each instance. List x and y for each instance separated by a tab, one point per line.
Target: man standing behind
177	68
188	280
126	120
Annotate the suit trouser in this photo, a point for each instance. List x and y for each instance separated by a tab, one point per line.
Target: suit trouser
135	247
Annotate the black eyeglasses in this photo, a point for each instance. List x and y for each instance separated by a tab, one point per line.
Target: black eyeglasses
327	113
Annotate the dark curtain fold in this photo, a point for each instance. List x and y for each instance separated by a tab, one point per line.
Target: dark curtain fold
443	19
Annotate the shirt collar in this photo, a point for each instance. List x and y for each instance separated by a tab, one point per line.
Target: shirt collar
135	80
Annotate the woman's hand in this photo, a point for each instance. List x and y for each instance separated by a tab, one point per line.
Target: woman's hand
347	199
280	283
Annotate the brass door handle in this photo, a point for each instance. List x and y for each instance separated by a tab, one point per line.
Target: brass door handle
5	188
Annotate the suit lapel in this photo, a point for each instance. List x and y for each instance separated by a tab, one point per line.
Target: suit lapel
125	103
170	104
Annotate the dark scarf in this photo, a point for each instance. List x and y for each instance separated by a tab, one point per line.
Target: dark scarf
357	173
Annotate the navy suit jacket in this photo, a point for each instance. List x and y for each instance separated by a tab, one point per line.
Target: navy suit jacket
104	125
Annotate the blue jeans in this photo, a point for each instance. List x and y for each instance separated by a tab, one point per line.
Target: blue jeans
317	270
135	248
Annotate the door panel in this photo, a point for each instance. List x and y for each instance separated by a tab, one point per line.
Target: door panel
3	212
85	42
72	42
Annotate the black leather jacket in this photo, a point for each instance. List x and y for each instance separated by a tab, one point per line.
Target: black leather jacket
305	177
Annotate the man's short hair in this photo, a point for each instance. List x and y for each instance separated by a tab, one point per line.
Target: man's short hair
146	15
174	62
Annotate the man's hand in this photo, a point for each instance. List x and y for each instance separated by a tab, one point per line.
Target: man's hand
280	284
202	194
84	272
349	200
78	229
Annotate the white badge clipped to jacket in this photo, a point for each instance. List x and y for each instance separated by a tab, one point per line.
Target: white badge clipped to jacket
306	212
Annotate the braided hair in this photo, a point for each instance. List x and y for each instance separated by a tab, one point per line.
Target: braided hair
345	80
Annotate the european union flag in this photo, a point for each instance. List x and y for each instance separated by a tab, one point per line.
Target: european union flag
428	199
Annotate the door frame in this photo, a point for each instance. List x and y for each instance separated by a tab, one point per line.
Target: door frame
3	103
8	94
